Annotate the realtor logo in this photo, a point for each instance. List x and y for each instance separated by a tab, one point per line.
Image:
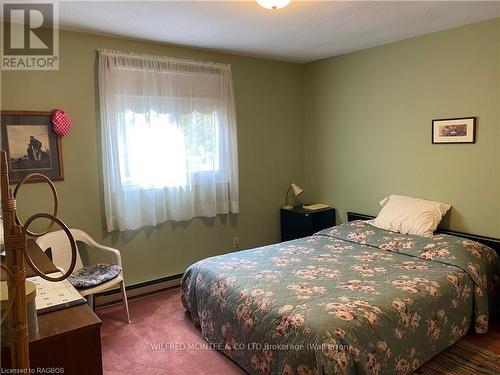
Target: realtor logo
30	36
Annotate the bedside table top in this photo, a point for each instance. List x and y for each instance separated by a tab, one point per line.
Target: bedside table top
300	210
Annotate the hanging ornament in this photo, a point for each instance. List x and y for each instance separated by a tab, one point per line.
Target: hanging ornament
61	123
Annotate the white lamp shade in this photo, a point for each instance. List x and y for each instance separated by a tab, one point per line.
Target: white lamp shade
297	190
273	4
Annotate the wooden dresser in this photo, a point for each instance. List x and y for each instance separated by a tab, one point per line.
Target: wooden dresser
68	340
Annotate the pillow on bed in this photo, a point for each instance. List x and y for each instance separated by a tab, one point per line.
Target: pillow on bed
409	215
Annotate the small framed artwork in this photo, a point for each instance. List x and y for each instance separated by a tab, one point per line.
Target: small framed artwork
454	130
31	145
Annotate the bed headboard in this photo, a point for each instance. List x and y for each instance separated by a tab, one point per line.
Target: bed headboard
494	243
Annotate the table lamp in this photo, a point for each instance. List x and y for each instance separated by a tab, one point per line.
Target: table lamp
297	190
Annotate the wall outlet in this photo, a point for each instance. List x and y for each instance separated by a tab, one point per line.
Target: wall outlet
236	243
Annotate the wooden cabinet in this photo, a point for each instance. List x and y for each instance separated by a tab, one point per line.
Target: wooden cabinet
68	342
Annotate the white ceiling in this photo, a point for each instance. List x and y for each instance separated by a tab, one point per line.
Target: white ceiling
302	32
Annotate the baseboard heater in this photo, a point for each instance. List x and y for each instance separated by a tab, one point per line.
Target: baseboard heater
113	296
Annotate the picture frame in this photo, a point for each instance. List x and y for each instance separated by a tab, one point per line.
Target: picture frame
31	145
454	130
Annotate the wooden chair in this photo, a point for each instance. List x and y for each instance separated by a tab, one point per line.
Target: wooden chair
58	243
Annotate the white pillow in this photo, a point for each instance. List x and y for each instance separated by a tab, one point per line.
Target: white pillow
409	215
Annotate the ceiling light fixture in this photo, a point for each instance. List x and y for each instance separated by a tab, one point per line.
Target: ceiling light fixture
273	4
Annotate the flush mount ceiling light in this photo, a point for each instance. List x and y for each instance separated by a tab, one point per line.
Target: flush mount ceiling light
273	4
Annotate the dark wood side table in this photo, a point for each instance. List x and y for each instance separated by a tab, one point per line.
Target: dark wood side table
68	339
298	222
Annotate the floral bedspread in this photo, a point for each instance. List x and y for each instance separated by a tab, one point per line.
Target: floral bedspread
351	299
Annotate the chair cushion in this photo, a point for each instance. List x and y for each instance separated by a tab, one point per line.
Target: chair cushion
94	275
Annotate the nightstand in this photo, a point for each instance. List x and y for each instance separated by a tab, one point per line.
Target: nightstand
298	222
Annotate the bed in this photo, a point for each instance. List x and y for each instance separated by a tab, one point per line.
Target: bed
351	299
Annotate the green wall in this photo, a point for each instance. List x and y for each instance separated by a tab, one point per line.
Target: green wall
270	132
368	125
350	130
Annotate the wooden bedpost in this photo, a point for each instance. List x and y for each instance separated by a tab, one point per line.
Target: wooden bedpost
15	247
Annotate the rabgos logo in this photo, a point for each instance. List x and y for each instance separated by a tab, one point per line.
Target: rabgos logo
30	36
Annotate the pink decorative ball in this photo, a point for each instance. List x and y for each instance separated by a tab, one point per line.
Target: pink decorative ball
61	123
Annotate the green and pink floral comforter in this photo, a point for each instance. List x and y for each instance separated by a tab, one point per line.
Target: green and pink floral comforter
352	299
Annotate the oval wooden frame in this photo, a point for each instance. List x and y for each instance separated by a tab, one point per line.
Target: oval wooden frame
27	255
54	195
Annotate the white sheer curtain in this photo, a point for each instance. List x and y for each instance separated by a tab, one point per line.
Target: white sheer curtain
168	139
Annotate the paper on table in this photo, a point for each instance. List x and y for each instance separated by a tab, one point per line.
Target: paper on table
52	296
313	207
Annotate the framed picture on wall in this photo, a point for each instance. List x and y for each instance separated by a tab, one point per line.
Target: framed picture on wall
454	130
31	145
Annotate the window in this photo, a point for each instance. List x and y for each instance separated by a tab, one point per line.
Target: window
169	139
156	141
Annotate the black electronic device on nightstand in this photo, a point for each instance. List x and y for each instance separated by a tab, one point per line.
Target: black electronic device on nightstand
298	222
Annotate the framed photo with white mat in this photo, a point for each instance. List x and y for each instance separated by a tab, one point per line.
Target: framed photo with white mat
454	130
